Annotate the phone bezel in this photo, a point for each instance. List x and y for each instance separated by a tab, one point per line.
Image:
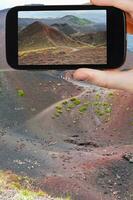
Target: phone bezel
116	38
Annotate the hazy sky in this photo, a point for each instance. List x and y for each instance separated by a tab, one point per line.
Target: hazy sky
11	3
90	15
53	14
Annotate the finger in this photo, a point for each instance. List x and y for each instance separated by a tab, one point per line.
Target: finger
68	75
97	77
126	5
108	79
129	23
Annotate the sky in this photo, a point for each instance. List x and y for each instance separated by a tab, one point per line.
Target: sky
99	15
10	3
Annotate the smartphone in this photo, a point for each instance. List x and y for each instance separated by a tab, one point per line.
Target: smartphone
65	37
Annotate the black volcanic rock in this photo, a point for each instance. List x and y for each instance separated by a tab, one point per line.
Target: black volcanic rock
65	28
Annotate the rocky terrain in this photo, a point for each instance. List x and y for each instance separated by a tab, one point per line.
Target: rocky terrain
68	139
61	43
64	55
65	28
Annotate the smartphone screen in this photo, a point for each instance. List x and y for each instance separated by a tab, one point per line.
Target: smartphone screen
68	37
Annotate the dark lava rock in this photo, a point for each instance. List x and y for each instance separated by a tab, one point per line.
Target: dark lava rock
128	157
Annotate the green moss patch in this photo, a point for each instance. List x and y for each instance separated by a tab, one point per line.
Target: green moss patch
20	93
101	108
76	101
110	94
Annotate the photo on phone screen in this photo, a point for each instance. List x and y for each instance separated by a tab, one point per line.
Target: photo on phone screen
62	37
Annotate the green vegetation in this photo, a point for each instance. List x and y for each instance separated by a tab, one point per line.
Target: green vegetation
35	50
58	110
96	103
22	187
111	94
65	102
68	109
98	97
67	105
73	99
83	109
71	105
20	93
59	107
76	101
132	123
101	108
99	112
80	21
26	195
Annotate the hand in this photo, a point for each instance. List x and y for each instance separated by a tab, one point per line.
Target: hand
114	79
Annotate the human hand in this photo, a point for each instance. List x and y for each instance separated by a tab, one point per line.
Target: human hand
114	79
125	5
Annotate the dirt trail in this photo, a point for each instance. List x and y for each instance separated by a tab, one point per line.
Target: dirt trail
63	55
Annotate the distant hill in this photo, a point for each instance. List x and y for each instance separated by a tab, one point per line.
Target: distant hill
76	21
94	38
71	20
65	28
2	18
78	24
39	35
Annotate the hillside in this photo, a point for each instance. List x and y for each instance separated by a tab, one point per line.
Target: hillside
40	44
73	20
39	35
65	28
76	23
94	38
61	135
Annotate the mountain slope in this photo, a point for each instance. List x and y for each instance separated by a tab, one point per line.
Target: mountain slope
71	20
65	28
91	38
39	35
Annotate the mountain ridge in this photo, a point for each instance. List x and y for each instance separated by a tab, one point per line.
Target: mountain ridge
76	23
39	35
65	28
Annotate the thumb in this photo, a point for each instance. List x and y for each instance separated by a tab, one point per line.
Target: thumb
109	79
126	5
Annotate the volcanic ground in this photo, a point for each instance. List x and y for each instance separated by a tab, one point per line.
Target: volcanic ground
67	149
71	138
